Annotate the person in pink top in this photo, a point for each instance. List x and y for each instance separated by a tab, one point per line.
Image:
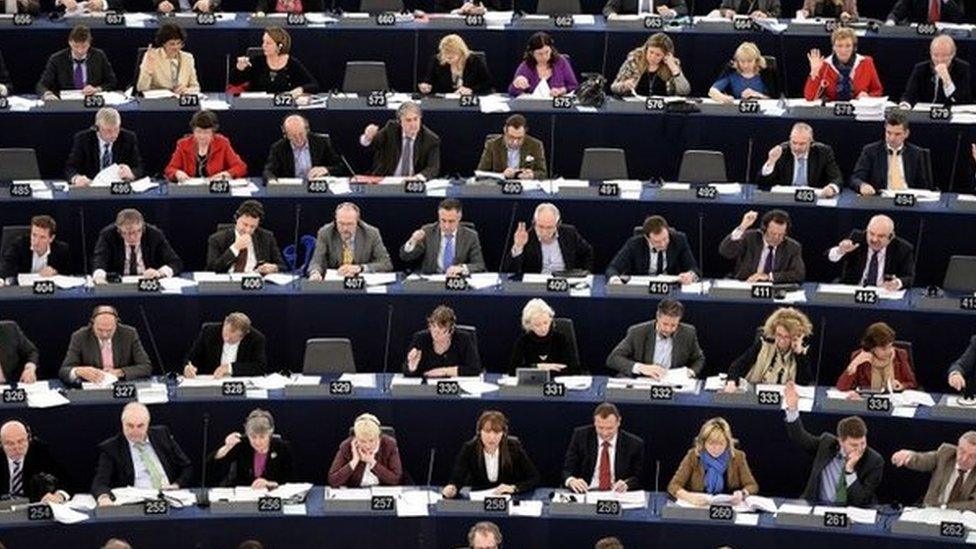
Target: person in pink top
543	63
263	462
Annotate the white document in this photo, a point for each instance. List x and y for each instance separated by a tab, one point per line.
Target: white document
542	90
271	382
105	177
481	281
155	393
256	394
175	284
489	175
64	514
46	399
246	190
158	94
143	185
400	379
108	379
414	503
294	509
494	103
575	383
849	289
794	509
280	279
348	494
82	502
636	499
215	105
319	18
919	398
855	514
480	495
477	387
531	508
365	381
291	490
584	20
131	494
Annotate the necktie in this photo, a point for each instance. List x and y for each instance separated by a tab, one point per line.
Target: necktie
405	168
448	259
934	9
604	475
956	493
155	475
79	74
660	263
133	263
871	279
346	252
17	479
174	73
108	361
107	156
896	179
241	260
801	173
840	497
768	264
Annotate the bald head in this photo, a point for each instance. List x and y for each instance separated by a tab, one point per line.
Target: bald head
295	128
135	421
15	440
942	49
880	231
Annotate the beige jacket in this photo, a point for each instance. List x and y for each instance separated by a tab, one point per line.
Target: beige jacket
160	75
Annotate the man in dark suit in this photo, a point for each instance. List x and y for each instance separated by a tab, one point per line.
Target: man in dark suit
230	348
549	247
808	164
246	247
757	8
652	348
5	85
766	254
961	371
404	147
30	470
664	8
892	163
18	355
104	346
658	250
953	483
875	256
349	245
77	67
140	456
942	79
102	145
603	456
301	153
130	247
446	246
905	12
37	252
515	154
845	471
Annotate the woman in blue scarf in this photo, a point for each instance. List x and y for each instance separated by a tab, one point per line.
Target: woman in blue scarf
713	466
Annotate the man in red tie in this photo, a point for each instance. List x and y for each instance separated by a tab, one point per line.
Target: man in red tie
905	12
603	456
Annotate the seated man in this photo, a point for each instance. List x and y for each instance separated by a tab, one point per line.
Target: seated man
652	348
808	164
845	471
37	252
404	147
961	371
18	355
943	79
446	246
132	247
766	254
892	163
5	85
246	247
105	346
953	484
658	250
140	456
875	256
515	154
587	468
102	145
905	12
31	471
301	153
350	245
664	8
77	67
549	247
199	6
230	348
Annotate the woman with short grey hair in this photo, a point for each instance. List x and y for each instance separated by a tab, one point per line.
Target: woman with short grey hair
541	345
264	462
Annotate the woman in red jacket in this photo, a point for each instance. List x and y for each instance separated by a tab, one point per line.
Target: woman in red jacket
204	153
878	365
845	74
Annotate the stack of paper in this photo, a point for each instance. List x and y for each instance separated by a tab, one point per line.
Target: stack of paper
849	289
855	514
869	108
46	399
348	494
363	381
414	503
526	508
935	515
108	379
291	490
576	383
64	514
628	500
400	379
921	195
480	495
131	494
476	387
494	103
180	498
280	279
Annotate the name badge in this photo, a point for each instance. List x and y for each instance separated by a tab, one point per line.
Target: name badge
456	284
232	389
190	100
382	503
120	187
720	512
252	283
608	189
563	21
662	392
749	106
124	390
21	190
805	196
149	285
94	101
376	99
155	507
448	388
387	19
269	504
553	389
469	101
706	192
496	505
14	396
206	19
44	287
769	398
562	102
114	19
608	507
340	388
512	187
354	283
296	20
865	297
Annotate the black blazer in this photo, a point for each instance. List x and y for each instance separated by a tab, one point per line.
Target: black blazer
630	6
917	11
556	347
281	158
5	76
42	474
634	258
899	260
577	252
388	142
207	348
788	263
258	76
462	353
469	468
581	457
86	158
824	448
444	6
59	72
872	167
115	467
741	365
822	168
18	256
769	7
921	84
220	259
308	6
475	76
239	462
15	351
966	364
156	252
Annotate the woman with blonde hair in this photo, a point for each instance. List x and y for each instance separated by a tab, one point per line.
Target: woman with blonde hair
844	74
779	353
367	458
454	69
747	76
652	69
712	466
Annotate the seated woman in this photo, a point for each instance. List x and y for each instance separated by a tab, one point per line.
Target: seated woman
368	458
276	70
543	72
541	346
845	10
471	7
778	354
290	6
712	466
166	66
204	153
441	350
746	77
492	460
652	69
844	75
454	70
878	365
264	462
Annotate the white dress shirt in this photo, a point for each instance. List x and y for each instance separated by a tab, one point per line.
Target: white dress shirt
228	355
38	262
491	466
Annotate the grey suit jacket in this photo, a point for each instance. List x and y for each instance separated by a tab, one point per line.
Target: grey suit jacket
638	346
369	250
127	353
467	250
788	263
940	463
